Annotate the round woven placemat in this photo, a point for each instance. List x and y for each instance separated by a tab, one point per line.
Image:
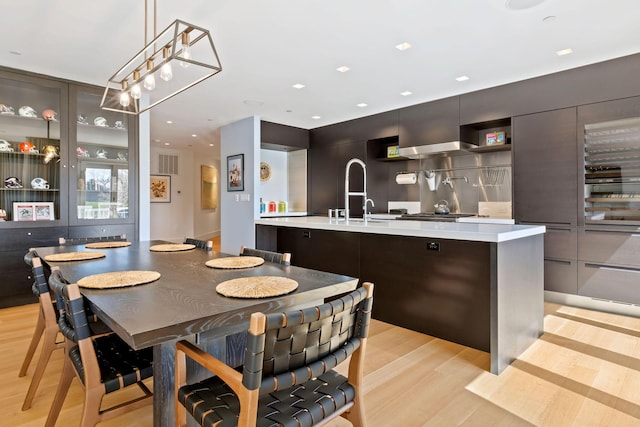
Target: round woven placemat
107	245
235	262
118	279
74	256
171	247
257	287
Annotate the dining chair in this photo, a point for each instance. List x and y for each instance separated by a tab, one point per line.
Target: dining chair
64	241
288	376
278	258
103	364
201	244
46	326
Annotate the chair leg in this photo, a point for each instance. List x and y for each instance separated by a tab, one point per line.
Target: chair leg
356	414
48	345
37	334
91	410
61	391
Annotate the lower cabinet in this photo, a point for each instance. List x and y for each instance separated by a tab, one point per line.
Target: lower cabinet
561	275
619	284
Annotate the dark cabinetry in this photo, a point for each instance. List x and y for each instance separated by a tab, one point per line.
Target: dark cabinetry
429	123
274	136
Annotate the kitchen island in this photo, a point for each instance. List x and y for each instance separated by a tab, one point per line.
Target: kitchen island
479	285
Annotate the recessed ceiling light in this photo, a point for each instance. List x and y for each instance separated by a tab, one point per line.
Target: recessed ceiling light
403	46
211	145
315	117
564	52
462	78
406	93
362	105
194	135
343	69
166	143
522	4
298	85
156	140
548	19
169	122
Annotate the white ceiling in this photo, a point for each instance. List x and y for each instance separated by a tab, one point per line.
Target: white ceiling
266	46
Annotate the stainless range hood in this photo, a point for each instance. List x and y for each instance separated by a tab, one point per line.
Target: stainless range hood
451	148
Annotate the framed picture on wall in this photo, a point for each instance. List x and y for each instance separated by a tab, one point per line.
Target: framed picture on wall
160	187
209	187
235	172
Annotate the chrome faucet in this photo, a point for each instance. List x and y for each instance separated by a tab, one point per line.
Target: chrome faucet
449	180
368	215
348	193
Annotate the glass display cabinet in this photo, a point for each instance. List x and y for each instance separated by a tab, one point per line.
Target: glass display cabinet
31	138
612	172
100	171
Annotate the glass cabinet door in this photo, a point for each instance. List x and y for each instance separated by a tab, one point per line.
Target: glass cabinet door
102	154
31	144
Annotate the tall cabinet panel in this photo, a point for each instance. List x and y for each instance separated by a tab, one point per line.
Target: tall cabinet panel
545	163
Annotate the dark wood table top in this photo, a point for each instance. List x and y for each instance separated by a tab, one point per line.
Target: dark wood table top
184	301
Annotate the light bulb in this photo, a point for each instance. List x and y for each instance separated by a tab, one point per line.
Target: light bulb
136	91
149	82
186	50
124	99
166	73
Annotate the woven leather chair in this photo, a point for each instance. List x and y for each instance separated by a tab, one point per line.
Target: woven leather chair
103	364
46	326
284	259
65	241
288	377
201	244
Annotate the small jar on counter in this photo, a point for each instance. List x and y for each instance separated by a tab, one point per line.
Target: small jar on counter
282	206
272	207
263	207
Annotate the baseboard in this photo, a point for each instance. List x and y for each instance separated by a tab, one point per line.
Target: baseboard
616	307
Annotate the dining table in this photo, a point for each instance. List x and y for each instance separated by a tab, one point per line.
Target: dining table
184	304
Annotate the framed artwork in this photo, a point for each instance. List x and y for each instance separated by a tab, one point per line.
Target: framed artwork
235	172
33	211
208	187
160	187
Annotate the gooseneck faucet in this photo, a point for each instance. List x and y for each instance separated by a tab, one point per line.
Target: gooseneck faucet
348	193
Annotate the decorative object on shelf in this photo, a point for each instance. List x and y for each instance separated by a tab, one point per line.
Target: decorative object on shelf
82	119
39	184
100	121
81	152
495	138
50	152
3	215
209	187
23	211
28	147
49	115
393	152
180	43
5	146
101	153
235	172
273	207
265	171
26	111
12	182
160	187
119	124
7	110
33	211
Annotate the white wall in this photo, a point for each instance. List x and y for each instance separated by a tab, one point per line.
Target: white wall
183	216
276	188
239	209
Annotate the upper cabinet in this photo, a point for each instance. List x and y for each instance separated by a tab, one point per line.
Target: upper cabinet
429	123
100	158
32	140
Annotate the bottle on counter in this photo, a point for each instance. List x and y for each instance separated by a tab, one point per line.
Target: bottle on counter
263	207
272	207
282	206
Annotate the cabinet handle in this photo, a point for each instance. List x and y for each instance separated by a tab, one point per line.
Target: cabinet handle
558	261
620	269
306	234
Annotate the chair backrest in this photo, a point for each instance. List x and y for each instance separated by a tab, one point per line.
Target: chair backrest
201	244
64	241
73	321
278	258
290	348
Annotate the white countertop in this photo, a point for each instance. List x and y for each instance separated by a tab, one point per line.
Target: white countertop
479	232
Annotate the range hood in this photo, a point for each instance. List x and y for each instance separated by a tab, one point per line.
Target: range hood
450	148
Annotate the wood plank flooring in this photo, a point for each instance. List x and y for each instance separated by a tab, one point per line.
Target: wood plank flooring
584	371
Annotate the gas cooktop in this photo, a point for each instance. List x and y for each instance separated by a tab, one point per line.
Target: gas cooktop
425	216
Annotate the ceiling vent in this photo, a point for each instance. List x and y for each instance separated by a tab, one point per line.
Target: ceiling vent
168	164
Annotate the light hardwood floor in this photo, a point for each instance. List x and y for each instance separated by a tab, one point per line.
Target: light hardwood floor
584	371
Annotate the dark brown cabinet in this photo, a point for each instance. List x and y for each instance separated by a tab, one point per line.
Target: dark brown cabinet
429	123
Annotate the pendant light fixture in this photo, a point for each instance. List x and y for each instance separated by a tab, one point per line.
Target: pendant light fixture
183	43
